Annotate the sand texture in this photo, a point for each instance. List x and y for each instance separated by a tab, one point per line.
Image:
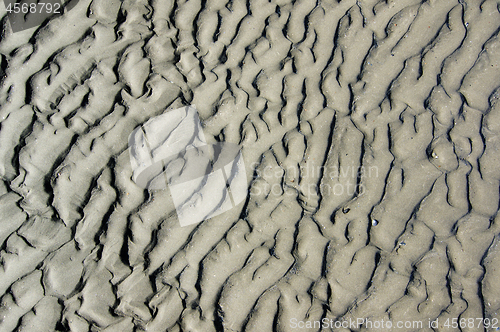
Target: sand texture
370	135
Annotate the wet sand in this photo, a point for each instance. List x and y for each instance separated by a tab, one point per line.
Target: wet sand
369	132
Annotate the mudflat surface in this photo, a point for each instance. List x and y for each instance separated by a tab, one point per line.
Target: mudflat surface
369	132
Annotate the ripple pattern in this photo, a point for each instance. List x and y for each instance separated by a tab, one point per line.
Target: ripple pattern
371	134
